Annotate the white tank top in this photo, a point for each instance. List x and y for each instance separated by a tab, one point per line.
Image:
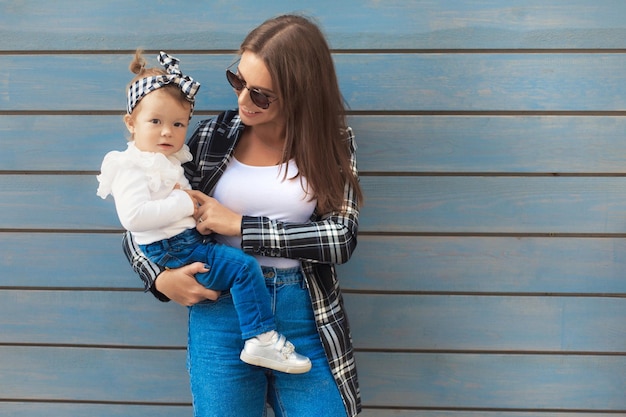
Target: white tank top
264	191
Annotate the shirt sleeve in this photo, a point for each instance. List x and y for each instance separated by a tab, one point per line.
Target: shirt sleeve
136	209
330	238
147	270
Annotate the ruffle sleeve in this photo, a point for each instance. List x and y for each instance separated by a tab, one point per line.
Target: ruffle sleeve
159	169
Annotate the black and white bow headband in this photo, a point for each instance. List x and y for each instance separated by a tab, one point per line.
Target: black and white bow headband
140	88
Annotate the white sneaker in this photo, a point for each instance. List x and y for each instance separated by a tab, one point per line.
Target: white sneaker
278	354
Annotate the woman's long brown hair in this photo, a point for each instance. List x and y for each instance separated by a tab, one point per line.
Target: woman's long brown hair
303	74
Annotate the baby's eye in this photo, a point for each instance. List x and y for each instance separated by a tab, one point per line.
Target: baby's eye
179	124
155	121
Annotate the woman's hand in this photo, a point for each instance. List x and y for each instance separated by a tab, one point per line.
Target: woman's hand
214	217
180	285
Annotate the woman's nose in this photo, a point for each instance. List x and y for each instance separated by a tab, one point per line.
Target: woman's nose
243	97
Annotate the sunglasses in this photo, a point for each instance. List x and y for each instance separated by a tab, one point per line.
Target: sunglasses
259	98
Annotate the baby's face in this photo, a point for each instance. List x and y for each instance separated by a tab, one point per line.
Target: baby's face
159	123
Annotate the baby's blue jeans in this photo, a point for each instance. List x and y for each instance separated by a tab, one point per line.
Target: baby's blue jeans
229	269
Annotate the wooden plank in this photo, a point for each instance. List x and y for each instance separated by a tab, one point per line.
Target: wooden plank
422	204
55	409
109	318
486	264
65	260
379	322
419	412
45	143
21	409
457	24
493	382
402	380
54	202
493	204
369	82
380	263
93	374
484	323
394	412
520	144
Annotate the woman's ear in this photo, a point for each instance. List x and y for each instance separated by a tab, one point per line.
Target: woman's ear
130	123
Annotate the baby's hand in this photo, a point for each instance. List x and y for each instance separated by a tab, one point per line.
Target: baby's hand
196	204
177	186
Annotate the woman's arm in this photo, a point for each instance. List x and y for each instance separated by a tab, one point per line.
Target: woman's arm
329	238
332	239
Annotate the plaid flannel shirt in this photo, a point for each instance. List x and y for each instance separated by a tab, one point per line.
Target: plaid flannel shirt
326	240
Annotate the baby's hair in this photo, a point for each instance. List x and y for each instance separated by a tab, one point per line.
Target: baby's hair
138	66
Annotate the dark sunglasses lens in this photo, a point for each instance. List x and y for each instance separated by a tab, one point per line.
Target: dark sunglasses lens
233	80
259	99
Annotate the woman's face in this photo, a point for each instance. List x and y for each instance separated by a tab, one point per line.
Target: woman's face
254	73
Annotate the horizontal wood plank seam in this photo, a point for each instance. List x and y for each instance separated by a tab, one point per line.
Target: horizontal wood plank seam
334	51
499	352
69	401
378	173
367	233
346	290
365	406
520	294
213	112
493	410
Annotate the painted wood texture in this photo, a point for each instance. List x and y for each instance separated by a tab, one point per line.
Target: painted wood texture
384	322
422	204
397	264
418	82
392	144
22	409
489	277
453	24
451	380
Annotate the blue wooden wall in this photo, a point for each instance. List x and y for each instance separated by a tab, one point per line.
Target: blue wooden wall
490	278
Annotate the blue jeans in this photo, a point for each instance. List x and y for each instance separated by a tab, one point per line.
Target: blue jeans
229	269
223	386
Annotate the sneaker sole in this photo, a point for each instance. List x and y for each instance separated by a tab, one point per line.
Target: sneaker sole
277	366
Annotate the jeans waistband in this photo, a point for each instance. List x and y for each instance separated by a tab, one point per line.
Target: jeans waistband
282	275
185	238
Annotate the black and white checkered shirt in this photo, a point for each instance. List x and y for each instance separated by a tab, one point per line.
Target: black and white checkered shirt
326	240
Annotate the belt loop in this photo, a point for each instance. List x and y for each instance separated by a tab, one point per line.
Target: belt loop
274	289
303	283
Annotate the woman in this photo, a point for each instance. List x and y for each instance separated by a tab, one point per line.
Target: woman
282	175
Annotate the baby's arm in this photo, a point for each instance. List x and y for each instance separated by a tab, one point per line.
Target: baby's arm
136	209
